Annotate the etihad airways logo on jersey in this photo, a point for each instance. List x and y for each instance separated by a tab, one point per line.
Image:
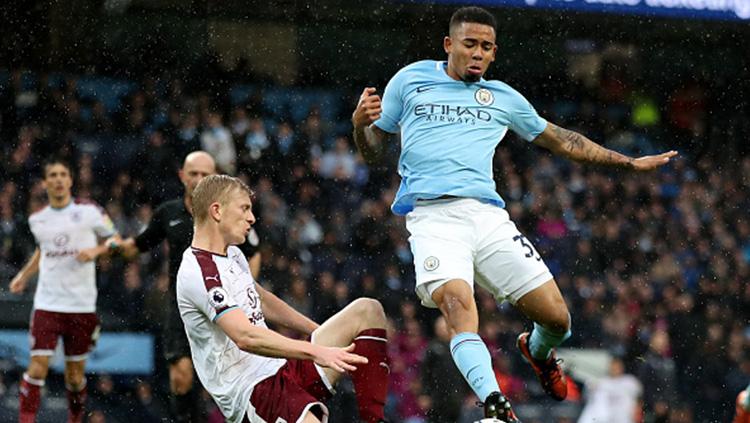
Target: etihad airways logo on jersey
452	114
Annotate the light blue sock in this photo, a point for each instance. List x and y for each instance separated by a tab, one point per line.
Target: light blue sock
473	360
542	341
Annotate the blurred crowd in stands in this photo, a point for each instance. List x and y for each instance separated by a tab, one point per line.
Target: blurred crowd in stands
655	267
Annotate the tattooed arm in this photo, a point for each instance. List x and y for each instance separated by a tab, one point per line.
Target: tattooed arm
367	137
574	146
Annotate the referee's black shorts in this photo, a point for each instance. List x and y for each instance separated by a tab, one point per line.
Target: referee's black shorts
176	345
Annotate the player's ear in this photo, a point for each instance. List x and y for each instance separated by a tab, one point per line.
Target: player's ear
214	210
447	43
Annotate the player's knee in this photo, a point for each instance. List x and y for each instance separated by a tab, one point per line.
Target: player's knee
559	322
37	370
74	378
455	297
371	311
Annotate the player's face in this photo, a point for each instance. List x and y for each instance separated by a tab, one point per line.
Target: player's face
194	170
471	48
57	181
237	217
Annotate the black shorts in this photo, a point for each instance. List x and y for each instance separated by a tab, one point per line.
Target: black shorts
176	345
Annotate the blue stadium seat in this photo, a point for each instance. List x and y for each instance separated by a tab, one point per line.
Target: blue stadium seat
28	80
239	94
274	100
55	80
330	104
564	110
86	113
159	118
299	104
107	90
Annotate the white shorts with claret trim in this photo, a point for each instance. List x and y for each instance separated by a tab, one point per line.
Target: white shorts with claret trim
462	238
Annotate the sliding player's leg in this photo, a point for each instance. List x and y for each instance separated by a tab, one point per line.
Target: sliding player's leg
362	323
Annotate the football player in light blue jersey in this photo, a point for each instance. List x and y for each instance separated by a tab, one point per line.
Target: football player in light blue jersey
451	120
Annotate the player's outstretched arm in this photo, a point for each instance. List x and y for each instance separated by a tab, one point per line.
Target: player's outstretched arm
368	137
262	341
281	313
574	146
18	284
126	247
105	248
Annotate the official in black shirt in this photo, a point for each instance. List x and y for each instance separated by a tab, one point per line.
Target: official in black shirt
173	222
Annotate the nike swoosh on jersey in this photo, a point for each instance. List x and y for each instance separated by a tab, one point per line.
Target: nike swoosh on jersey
425	88
175	222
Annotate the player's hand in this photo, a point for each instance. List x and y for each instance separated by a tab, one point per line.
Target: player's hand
17	285
368	108
114	243
339	359
87	255
652	162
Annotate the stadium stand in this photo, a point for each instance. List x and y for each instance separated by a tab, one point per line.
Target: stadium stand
655	267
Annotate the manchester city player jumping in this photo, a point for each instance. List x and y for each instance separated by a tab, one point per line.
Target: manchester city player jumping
451	120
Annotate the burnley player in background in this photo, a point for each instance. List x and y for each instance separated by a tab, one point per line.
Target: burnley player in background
255	374
173	222
67	233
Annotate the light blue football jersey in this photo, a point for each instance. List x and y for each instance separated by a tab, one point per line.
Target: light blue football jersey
449	132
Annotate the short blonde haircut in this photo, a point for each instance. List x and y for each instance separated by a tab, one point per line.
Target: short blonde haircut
212	189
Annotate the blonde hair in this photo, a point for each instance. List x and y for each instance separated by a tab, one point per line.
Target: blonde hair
212	189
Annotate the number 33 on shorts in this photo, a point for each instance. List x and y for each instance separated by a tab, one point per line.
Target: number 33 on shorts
528	249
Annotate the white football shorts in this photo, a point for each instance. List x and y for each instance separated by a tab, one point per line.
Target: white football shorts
463	238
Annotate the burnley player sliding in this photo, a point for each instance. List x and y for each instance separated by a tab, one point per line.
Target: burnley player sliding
253	373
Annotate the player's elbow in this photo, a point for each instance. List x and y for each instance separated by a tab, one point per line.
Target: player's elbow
554	145
246	345
249	342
